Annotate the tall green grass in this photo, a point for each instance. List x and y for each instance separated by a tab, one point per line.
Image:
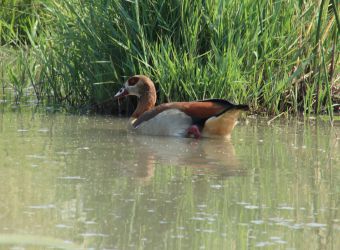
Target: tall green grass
20	20
22	24
275	55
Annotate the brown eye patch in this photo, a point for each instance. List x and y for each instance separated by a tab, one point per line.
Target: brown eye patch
133	80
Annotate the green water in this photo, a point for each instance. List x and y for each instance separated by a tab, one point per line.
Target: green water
81	182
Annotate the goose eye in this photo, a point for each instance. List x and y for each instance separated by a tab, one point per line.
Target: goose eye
121	93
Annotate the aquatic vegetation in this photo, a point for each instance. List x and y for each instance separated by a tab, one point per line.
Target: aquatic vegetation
277	56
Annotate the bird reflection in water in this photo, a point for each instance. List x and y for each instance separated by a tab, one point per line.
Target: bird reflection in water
204	157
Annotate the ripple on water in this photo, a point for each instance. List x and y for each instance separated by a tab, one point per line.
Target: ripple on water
91	234
178	236
242	203
279	221
43	130
296	226
209	231
71	178
63	153
248	205
285	207
90	222
216	186
17	248
315	225
257	222
273	240
264	244
83	148
277	240
251	207
36	156
62	226
198	218
44	206
22	130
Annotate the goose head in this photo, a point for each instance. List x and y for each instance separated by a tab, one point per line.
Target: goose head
142	87
138	85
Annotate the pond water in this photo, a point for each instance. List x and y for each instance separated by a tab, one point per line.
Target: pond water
83	182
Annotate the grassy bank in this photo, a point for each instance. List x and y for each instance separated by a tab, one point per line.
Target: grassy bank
275	55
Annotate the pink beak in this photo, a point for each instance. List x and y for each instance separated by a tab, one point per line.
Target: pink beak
121	93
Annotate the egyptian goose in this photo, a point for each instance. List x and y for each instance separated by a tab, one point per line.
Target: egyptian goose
206	118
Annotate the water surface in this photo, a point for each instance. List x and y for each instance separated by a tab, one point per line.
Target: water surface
83	182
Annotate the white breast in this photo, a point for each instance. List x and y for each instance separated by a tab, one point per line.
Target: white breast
171	122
